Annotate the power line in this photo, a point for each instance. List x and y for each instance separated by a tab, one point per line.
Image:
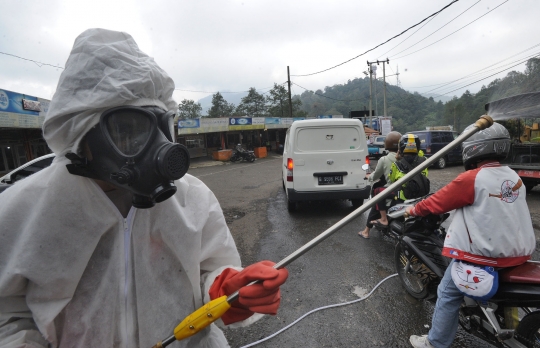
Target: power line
489	66
478	72
461	87
40	64
472	83
437	29
452	32
403	32
408	37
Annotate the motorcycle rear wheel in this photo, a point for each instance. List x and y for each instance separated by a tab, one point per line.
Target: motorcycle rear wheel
235	158
251	158
528	331
416	286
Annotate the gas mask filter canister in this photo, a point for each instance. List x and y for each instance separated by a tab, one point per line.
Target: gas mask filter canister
132	147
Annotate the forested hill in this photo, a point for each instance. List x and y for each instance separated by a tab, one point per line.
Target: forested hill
411	111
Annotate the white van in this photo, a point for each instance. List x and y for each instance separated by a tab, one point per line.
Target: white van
322	160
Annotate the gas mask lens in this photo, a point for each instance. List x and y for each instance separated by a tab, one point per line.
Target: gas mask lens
129	130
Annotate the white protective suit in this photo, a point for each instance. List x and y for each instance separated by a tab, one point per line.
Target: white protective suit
69	260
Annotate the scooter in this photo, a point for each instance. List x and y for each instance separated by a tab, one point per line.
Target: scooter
511	318
242	155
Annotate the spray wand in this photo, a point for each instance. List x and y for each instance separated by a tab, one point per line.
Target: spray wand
214	309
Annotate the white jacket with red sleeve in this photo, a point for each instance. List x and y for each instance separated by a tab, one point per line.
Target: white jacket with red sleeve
492	224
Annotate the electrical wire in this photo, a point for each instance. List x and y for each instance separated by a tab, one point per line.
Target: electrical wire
461	87
408	54
408	37
524	59
40	64
472	83
403	32
319	309
489	66
437	29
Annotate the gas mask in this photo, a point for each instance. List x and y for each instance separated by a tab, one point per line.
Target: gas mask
132	148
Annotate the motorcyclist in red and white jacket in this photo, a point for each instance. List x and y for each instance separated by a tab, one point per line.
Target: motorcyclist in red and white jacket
491	225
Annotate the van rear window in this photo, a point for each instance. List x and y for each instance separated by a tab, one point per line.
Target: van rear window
328	139
422	136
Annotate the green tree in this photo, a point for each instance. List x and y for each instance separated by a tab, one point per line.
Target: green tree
189	109
278	101
220	107
253	105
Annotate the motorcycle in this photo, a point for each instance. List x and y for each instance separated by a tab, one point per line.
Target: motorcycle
511	318
242	155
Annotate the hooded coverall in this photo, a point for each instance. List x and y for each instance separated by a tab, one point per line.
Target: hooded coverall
74	272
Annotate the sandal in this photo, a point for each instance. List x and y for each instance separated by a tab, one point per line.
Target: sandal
379	224
362	235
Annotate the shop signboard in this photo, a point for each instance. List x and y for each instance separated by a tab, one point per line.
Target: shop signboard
203	125
245	123
189	123
21	111
257	121
210	125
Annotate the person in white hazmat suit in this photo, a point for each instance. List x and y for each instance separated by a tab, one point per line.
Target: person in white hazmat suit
114	244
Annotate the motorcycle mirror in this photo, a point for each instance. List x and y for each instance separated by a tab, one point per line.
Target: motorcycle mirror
365	166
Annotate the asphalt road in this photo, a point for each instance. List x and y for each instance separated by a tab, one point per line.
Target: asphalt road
342	268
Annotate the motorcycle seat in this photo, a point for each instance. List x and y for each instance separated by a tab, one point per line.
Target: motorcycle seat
529	272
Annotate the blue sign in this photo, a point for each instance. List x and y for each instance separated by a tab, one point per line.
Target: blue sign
12	102
324	116
298	118
240	121
189	123
272	120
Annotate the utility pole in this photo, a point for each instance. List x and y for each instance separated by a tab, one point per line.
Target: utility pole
397	76
289	81
370	64
370	96
384	84
455	117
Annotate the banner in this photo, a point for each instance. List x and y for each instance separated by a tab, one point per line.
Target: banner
246	123
239	121
13	113
189	123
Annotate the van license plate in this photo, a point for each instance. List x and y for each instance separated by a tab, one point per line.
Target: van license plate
331	180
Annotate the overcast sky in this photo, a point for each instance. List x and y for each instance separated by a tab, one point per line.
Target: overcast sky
226	45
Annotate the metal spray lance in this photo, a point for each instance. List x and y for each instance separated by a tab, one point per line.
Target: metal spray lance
214	309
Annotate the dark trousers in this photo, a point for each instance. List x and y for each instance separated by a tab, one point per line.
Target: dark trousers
388	202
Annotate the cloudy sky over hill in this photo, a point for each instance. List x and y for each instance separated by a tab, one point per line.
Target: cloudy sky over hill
225	45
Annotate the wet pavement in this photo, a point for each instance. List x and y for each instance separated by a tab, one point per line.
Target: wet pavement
342	268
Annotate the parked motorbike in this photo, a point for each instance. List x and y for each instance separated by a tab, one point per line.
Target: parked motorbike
242	155
511	318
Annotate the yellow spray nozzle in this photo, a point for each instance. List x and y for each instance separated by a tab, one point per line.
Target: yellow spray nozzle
201	318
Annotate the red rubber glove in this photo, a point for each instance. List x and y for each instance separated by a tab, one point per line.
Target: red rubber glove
263	297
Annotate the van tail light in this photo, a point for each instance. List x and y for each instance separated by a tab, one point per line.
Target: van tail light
367	159
290	167
428	149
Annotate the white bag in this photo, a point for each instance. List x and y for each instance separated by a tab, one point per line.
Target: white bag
475	281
